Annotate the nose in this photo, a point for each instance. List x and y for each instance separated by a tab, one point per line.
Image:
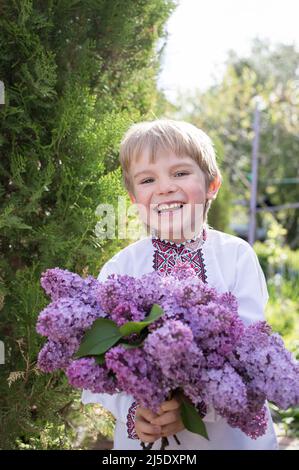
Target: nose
166	185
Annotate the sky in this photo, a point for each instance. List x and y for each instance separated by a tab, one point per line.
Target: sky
201	32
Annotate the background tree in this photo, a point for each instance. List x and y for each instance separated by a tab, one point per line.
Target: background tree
226	110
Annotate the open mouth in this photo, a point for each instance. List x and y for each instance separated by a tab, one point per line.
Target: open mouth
166	208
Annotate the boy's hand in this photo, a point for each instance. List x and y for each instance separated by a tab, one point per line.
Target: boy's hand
170	417
145	430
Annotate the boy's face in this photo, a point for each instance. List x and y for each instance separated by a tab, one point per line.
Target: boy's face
170	194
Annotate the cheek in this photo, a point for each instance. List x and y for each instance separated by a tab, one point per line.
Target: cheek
196	194
142	196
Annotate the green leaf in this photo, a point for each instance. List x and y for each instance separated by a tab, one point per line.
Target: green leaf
103	335
100	359
191	419
136	327
132	346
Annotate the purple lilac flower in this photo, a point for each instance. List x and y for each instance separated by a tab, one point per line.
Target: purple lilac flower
137	376
57	355
116	290
200	345
183	270
270	368
150	290
125	312
172	348
224	389
253	425
193	390
85	373
59	283
66	317
125	290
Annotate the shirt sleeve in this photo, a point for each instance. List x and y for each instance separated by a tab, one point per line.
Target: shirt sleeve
250	289
119	403
250	286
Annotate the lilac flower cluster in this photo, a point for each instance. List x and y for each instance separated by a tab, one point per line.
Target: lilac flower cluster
199	346
74	308
85	373
138	376
175	353
124	298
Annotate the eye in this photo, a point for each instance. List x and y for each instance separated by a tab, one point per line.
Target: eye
182	173
146	181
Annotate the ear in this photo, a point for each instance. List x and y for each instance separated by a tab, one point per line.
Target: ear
214	188
132	198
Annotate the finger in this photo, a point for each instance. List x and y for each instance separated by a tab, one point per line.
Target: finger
172	428
148	437
169	405
146	414
167	418
147	428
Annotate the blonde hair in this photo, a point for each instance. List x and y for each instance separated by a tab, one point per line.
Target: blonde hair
180	137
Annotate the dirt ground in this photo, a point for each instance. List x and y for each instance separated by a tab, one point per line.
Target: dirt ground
288	443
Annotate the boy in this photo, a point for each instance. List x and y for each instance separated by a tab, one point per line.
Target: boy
170	172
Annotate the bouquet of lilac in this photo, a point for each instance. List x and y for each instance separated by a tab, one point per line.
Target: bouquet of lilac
155	336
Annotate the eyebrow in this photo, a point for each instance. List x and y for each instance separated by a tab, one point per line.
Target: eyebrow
188	165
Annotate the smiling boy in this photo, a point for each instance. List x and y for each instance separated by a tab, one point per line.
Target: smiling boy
171	174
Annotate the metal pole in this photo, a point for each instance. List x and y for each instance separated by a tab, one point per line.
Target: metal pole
254	170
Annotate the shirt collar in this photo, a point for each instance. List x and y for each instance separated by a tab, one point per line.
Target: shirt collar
202	236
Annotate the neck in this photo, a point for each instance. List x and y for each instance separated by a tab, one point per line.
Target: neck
178	240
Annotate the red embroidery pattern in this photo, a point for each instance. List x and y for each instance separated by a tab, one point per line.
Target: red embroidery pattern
202	409
166	254
131	421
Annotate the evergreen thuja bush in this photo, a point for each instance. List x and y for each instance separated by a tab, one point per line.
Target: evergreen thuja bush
76	75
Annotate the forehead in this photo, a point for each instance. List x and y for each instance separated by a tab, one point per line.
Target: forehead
162	156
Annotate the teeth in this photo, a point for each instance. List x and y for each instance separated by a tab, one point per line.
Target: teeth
166	207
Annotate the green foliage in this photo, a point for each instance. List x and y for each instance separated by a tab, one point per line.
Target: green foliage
76	75
220	211
192	420
288	420
98	339
51	437
134	327
105	333
94	422
282	313
276	258
281	266
226	110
